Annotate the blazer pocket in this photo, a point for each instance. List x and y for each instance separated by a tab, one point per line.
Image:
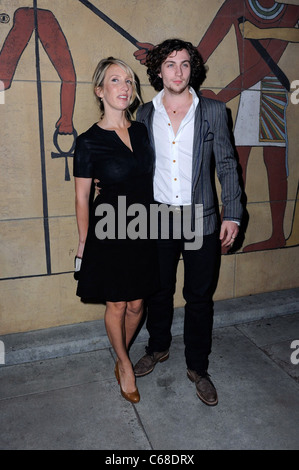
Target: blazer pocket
208	134
209	211
208	137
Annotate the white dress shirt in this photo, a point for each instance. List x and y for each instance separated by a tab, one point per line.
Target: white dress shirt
173	171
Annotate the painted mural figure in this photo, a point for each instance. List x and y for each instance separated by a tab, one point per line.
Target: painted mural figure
267	126
47	30
55	45
286	34
269	24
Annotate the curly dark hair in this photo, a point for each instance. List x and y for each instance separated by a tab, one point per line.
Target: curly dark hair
159	54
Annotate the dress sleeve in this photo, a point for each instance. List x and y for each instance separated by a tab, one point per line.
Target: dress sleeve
83	166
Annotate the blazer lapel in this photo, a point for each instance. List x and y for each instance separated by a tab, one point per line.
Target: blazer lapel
197	144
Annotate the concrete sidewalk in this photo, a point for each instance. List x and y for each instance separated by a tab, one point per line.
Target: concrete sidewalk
58	389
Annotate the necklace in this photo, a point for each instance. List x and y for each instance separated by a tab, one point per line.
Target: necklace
183	108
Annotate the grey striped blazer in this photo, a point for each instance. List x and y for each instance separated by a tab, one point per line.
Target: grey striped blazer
211	143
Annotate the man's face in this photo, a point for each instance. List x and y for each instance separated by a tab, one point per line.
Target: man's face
176	71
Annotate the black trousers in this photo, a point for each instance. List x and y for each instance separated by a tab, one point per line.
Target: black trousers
200	279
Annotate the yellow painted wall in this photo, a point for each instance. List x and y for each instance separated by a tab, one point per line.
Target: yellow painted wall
37	289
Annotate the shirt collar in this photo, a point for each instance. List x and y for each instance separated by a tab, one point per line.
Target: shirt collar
158	100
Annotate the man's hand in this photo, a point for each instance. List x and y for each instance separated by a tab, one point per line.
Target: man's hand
98	190
228	233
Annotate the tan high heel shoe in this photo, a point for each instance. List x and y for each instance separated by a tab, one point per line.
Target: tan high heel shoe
132	397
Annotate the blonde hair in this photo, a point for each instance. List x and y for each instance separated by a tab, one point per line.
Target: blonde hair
99	77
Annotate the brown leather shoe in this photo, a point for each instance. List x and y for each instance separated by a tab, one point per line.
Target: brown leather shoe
132	397
147	363
204	387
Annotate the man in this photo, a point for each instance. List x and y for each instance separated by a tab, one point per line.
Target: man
186	130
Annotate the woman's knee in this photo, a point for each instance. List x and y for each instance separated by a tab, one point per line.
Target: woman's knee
135	307
116	308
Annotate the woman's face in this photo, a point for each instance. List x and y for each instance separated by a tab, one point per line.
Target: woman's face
117	89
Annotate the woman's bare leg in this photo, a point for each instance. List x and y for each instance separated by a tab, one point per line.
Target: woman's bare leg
121	321
134	313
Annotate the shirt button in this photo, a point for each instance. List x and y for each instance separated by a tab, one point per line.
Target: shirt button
175	179
173	142
174	161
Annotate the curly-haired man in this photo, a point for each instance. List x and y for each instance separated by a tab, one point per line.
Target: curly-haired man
189	133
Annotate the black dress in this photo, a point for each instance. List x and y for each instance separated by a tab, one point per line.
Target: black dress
116	267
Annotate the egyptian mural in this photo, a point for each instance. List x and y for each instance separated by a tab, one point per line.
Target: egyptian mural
48	51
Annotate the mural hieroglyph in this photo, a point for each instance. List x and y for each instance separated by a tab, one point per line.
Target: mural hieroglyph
263	29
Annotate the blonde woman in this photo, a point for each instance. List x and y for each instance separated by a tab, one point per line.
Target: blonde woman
117	269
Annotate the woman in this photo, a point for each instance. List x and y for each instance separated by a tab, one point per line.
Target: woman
115	269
